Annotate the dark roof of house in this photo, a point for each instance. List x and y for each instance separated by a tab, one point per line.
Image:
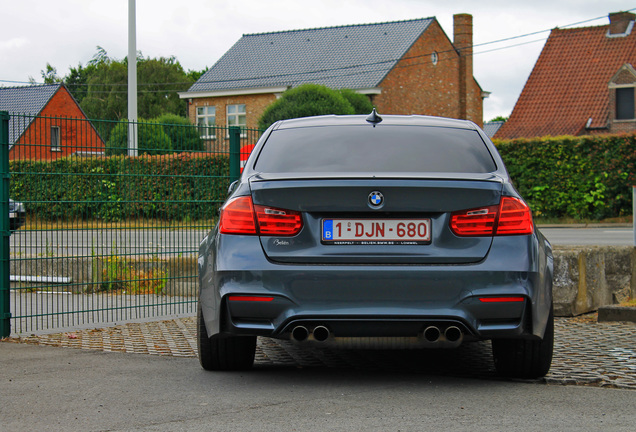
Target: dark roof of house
29	100
491	128
569	83
353	56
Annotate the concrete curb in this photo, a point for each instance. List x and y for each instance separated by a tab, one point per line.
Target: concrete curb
617	313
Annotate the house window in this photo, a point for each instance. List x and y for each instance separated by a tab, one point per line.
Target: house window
206	121
55	139
625	103
236	116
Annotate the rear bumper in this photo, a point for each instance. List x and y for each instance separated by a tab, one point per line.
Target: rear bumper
380	301
396	303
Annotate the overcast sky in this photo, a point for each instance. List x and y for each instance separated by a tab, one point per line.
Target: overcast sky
65	33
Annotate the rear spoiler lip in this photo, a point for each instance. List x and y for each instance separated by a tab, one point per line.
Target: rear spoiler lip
489	177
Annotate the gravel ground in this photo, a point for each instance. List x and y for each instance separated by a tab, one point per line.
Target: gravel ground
586	352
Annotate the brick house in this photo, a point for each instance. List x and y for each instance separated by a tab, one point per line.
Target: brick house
405	67
47	123
582	84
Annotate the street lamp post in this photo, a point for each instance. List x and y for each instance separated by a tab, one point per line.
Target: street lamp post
132	79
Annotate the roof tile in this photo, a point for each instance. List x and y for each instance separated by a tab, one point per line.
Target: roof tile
569	83
354	56
29	100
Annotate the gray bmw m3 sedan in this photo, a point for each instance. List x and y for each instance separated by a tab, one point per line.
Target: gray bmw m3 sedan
376	232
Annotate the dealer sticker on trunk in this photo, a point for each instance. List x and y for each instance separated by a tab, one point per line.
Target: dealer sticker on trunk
376	231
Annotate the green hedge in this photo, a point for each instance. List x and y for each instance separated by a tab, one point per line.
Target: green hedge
588	177
576	177
174	187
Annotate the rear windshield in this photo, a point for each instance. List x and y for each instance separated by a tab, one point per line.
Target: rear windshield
383	149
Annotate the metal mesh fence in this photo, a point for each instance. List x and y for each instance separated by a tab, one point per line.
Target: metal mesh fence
101	234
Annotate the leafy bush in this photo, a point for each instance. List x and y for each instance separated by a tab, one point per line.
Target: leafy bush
174	187
151	139
305	101
183	134
586	177
578	177
361	103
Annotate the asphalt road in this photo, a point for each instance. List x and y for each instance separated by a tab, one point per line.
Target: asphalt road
91	242
44	388
603	236
186	242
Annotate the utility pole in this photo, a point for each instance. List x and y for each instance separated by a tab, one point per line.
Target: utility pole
132	79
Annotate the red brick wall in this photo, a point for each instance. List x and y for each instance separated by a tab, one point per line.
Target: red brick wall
417	86
76	133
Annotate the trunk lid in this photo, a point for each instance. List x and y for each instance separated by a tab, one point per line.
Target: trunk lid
347	200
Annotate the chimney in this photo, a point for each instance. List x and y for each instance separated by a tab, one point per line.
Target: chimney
621	24
463	42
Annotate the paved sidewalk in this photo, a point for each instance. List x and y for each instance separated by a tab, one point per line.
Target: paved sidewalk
586	352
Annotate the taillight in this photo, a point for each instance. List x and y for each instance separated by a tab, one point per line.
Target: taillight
514	217
241	216
278	222
475	222
237	217
511	217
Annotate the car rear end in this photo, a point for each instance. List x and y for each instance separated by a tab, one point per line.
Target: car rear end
406	233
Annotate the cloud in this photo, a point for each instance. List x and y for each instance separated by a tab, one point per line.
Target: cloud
13	44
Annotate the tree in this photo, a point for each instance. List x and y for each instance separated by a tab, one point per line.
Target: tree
195	75
183	134
159	81
77	81
360	103
106	90
151	139
49	75
305	101
499	119
101	88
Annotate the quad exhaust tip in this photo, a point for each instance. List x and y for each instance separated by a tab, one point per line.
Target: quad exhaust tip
321	333
432	334
453	334
300	333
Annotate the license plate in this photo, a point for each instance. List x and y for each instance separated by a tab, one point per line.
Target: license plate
376	231
13	215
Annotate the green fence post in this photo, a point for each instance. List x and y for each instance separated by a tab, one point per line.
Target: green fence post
235	153
5	307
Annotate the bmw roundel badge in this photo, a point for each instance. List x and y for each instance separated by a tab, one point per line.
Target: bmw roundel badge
376	199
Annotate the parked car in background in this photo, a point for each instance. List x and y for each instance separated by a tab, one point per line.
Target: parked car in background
17	215
355	231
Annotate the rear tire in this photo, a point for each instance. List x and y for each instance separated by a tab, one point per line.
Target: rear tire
222	352
521	358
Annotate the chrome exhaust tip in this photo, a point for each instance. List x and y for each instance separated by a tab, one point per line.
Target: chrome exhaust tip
432	334
321	333
453	334
300	333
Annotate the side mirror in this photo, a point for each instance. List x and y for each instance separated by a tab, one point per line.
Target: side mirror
232	187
